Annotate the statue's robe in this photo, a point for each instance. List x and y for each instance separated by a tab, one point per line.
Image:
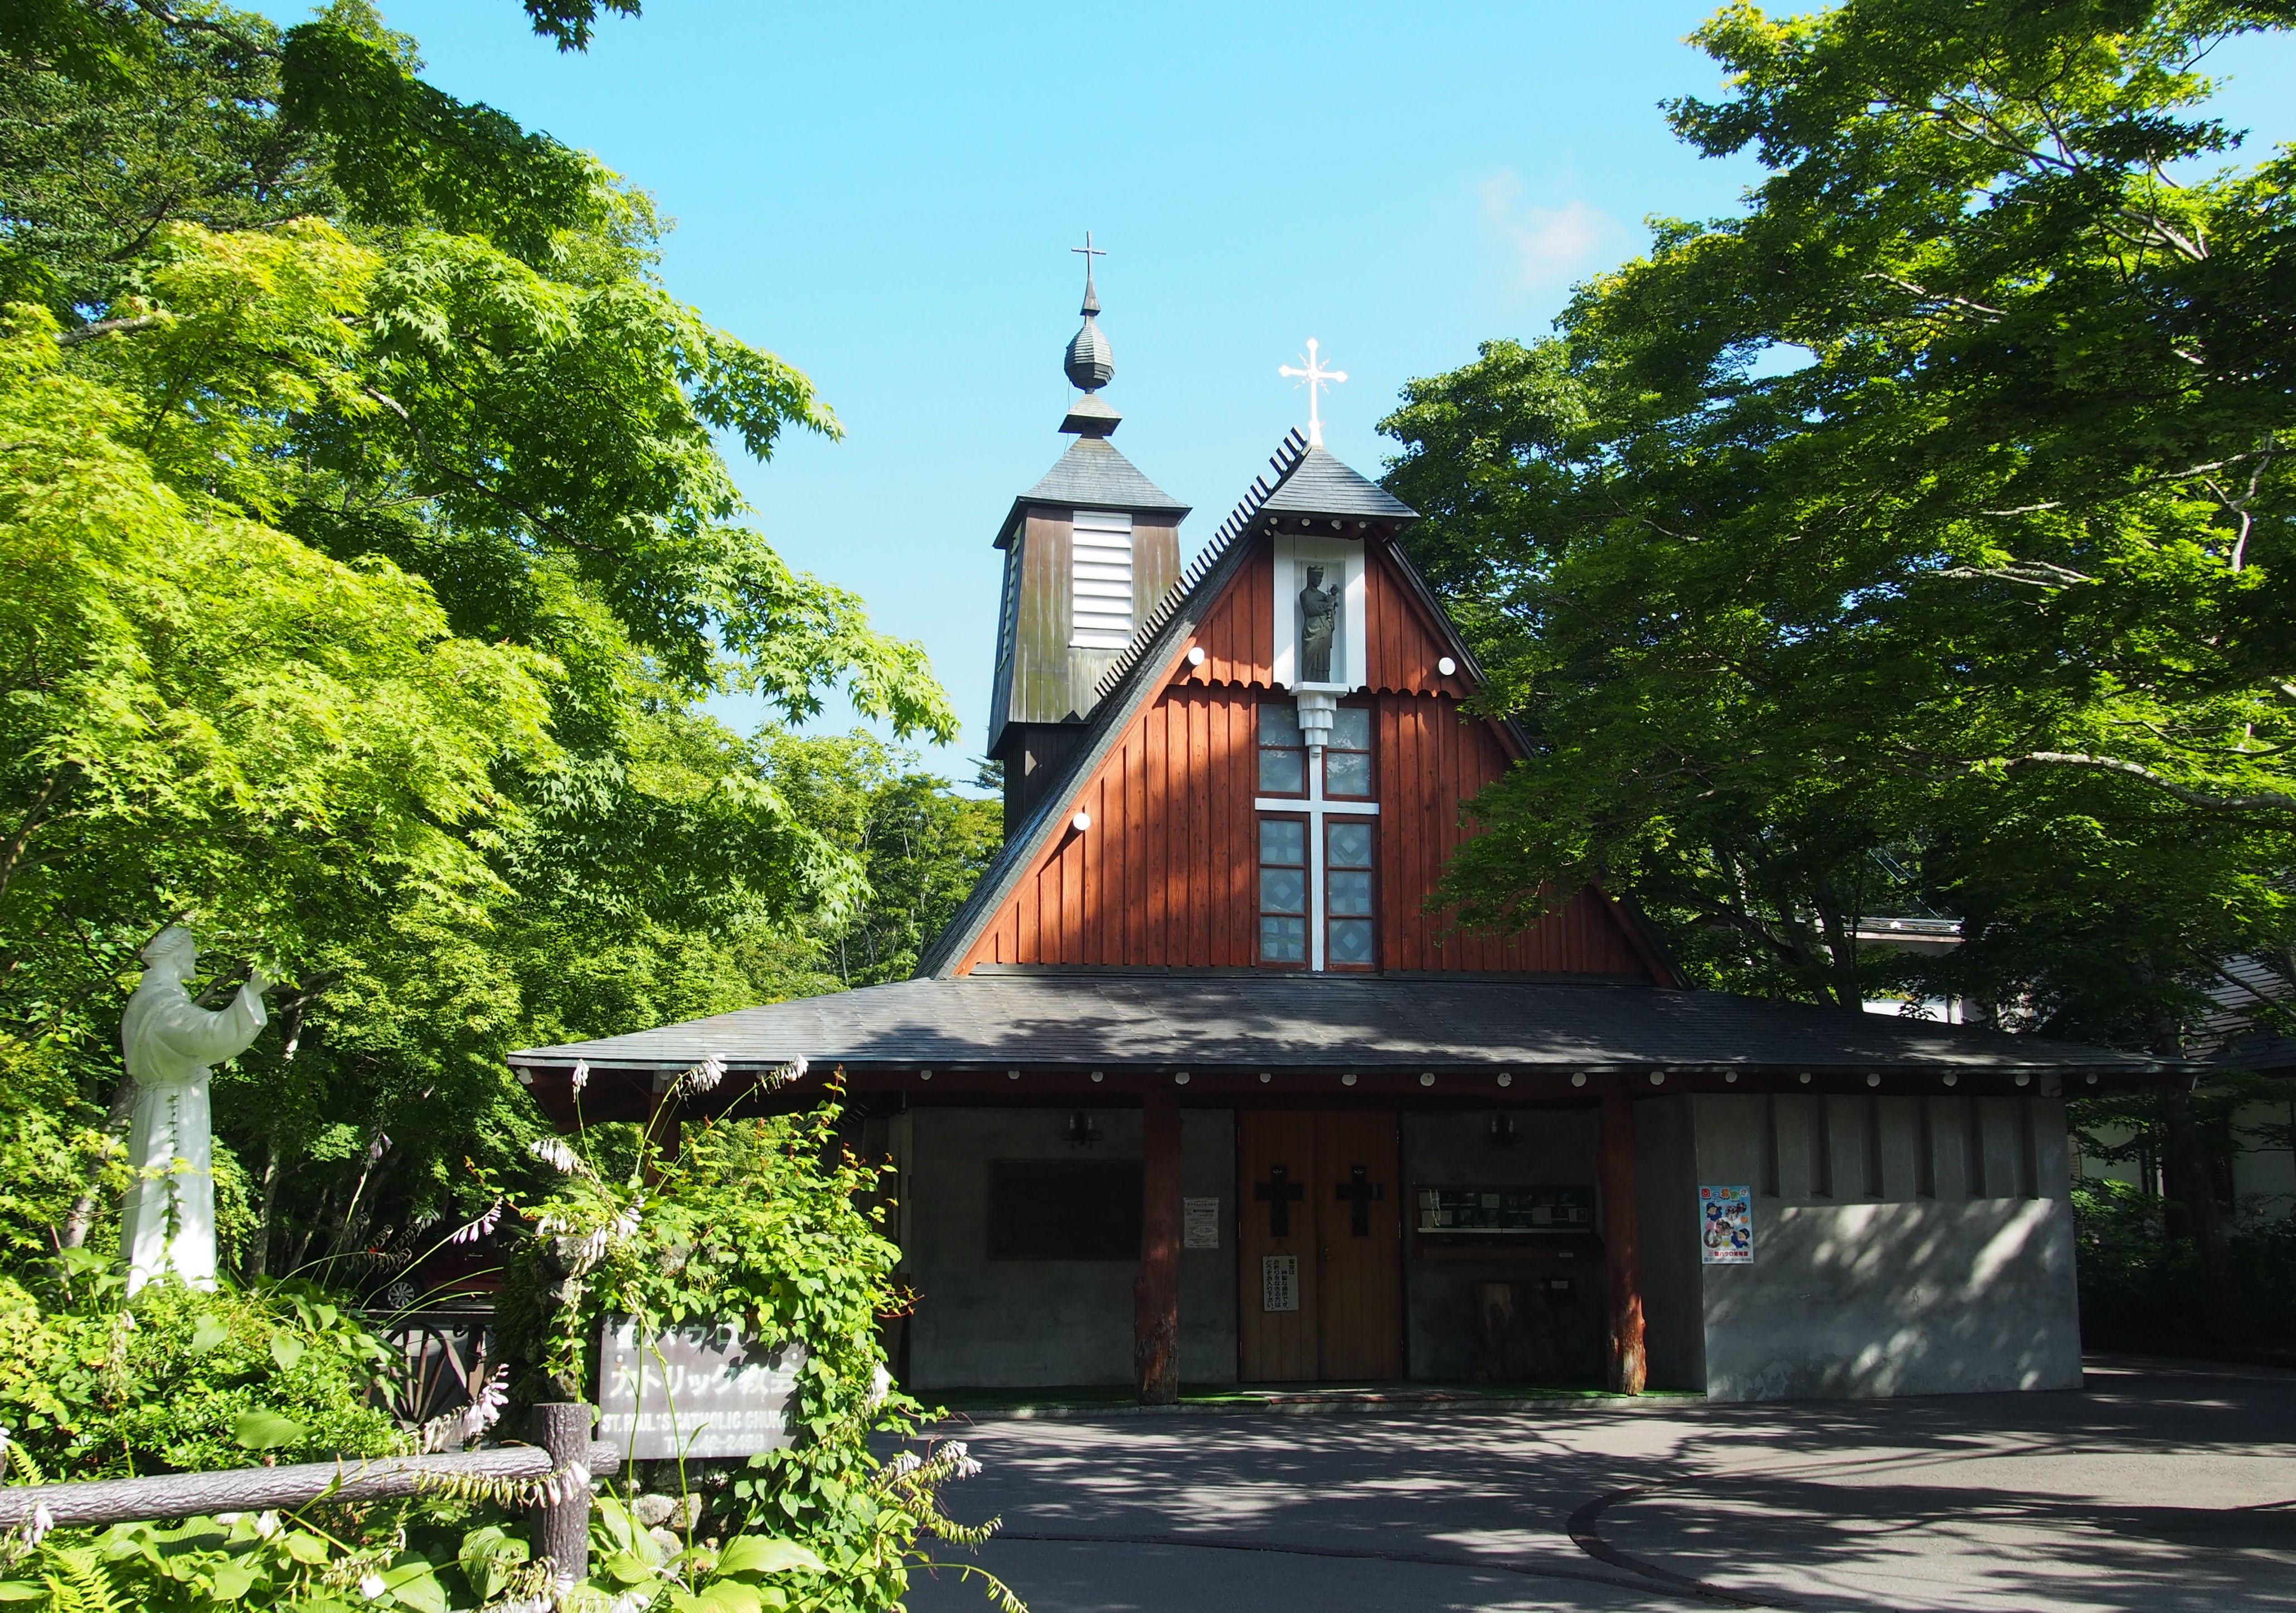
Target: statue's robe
171	1042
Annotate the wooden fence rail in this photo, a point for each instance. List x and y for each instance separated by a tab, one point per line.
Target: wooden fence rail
560	1528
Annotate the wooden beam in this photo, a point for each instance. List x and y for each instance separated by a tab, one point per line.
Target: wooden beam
1156	1290
1621	1264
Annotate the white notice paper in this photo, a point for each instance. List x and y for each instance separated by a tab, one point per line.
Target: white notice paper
1279	1282
699	1390
1200	1223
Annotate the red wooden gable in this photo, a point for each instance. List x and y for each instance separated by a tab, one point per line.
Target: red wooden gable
1166	874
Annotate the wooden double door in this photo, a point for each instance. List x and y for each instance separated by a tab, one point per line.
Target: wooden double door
1319	1204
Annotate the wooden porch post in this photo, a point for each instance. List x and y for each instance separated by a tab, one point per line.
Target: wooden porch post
1156	1290
1619	1236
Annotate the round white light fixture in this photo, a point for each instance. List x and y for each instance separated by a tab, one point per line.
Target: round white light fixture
1348	1080
2092	1080
1579	1081
1096	1074
1446	666
1179	1078
1080	822
1505	1080
1427	1080
1265	1078
2024	1080
1872	1080
1805	1078
1951	1079
1195	654
1012	1075
1731	1076
1658	1078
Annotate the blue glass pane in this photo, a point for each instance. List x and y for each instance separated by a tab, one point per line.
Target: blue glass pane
1283	772
1348	895
1350	845
1284	841
1283	891
1351	729
1350	940
1283	940
1346	773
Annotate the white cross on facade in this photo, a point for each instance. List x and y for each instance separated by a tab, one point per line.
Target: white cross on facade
1316	809
1316	378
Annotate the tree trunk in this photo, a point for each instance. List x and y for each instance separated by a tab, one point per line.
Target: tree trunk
116	1120
259	1247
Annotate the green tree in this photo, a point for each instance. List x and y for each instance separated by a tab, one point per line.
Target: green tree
377	563
1929	514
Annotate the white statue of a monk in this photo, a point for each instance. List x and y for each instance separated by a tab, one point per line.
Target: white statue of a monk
168	1221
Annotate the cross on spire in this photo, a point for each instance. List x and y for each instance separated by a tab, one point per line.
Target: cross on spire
1090	251
1317	377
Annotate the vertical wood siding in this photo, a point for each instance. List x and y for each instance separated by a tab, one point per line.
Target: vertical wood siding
1237	634
1164	875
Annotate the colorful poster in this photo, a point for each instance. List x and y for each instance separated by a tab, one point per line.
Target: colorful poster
1725	1226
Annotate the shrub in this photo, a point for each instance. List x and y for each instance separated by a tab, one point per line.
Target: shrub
758	1222
179	1380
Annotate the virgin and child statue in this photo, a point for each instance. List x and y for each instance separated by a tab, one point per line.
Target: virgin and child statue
1319	611
168	1223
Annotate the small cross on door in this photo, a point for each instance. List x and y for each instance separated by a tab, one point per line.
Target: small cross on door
1279	1193
1361	1193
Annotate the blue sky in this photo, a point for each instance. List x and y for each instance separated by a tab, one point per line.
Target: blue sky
884	195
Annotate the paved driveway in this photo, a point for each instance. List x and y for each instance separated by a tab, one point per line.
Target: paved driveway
2156	1488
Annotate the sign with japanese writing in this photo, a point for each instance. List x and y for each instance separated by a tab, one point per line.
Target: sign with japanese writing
703	1389
1725	1226
1279	1282
1200	1223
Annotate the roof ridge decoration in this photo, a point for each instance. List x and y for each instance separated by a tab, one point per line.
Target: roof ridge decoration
1286	459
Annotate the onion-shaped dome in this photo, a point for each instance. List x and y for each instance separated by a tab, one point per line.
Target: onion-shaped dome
1091	361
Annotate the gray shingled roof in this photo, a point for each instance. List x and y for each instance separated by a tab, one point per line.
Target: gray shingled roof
1093	475
1324	484
1368	1023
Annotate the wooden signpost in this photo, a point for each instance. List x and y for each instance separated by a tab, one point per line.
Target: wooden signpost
703	1389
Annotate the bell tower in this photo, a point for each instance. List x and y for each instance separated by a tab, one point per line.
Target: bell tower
1088	552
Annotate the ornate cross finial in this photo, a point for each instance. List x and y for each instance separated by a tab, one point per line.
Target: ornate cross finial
1316	378
1090	251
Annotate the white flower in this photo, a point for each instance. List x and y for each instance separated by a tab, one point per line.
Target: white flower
267	1525
42	1520
581	1075
480	1228
960	1463
880	1385
902	1466
374	1149
485	1407
553	1152
372	1587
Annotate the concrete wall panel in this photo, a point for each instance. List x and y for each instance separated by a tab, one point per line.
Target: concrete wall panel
983	1323
1208	1276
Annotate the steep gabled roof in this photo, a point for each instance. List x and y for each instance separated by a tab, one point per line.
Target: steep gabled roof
1123	690
1324	484
1093	475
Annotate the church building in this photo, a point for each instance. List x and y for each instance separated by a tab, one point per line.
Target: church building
1198	1087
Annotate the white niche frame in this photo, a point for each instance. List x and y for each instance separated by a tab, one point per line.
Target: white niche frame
1294	552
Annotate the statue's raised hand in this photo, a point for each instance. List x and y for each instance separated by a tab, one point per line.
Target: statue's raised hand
258	981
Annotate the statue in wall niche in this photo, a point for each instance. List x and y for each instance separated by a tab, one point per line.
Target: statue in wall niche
168	1223
1319	613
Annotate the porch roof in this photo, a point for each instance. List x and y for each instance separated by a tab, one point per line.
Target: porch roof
1043	1019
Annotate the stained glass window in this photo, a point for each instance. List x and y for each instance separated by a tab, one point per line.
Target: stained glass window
1283	891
